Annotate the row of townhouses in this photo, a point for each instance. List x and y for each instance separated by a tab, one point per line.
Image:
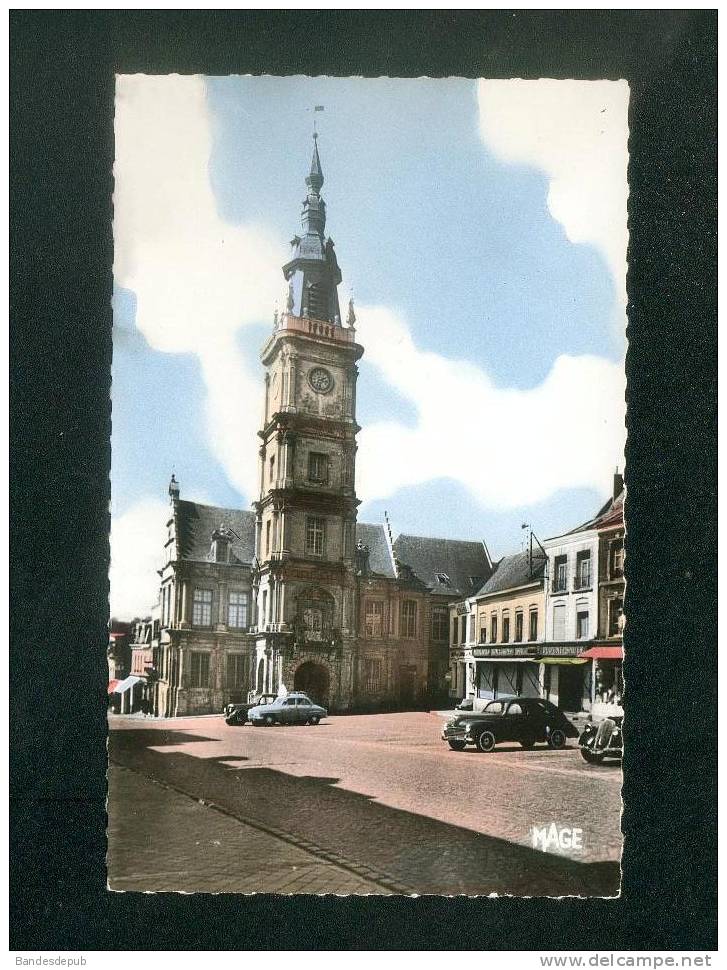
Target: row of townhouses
549	621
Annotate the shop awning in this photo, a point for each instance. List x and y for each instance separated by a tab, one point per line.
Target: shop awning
562	660
604	653
112	685
124	685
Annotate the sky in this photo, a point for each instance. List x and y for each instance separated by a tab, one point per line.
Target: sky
480	227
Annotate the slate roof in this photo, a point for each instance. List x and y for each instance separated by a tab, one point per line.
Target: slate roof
196	523
374	537
609	516
514	571
456	559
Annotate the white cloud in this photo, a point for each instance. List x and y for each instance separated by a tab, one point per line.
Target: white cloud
197	279
577	133
137	551
508	447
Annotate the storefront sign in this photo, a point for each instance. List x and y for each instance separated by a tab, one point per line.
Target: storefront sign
530	650
505	652
561	649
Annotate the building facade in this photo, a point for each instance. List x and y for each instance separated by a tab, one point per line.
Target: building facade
297	594
497	634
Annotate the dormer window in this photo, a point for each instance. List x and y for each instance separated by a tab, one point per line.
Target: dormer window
220	551
443	578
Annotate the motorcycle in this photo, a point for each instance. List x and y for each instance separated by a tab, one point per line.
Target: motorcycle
602	740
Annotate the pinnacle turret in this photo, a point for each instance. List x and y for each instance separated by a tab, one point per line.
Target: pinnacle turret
312	272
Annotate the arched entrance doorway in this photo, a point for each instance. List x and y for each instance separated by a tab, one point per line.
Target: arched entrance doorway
313	679
260	681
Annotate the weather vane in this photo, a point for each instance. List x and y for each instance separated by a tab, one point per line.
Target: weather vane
317	107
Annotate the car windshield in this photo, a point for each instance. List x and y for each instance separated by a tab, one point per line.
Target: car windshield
494	707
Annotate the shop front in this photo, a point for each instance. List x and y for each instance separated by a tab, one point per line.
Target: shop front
606	672
508	672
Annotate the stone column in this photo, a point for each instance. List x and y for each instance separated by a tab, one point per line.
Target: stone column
222	606
186	606
292	389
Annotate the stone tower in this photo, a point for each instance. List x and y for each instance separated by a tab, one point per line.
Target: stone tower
304	577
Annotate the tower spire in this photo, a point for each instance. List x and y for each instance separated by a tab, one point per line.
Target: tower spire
312	271
315	179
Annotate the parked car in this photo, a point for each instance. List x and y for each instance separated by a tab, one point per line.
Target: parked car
236	714
524	719
292	709
601	740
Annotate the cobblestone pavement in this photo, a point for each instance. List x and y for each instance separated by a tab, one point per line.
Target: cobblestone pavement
385	792
163	841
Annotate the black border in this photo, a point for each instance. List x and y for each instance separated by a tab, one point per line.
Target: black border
62	77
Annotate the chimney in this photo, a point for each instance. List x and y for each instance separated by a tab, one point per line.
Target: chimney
618	485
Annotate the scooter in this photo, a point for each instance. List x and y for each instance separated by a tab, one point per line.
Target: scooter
602	740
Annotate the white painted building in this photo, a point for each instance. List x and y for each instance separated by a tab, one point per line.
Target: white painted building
571	617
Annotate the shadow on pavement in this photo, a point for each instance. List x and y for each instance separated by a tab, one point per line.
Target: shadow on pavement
424	854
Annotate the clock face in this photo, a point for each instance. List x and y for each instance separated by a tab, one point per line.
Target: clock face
320	380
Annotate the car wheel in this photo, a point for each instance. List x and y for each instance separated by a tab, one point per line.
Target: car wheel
527	743
314	718
557	739
590	757
486	741
457	745
269	720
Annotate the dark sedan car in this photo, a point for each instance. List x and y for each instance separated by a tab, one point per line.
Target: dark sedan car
291	709
524	719
237	714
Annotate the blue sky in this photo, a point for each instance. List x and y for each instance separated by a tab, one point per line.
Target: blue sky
430	223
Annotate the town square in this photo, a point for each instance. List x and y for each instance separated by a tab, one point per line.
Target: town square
315	699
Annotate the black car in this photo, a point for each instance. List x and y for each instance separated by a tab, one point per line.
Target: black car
237	714
602	740
524	719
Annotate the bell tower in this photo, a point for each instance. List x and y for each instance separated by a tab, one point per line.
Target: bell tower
306	510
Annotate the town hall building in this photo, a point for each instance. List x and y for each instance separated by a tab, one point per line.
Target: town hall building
296	594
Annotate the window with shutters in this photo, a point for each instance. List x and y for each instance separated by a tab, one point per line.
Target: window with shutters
582	625
202	607
533	625
374	619
518	627
560	574
409	619
506	628
583	570
616	559
199	669
237	610
559	621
